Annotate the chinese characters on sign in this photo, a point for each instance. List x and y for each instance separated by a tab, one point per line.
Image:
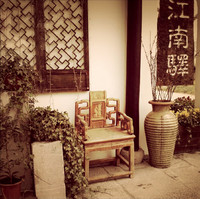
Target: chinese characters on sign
176	42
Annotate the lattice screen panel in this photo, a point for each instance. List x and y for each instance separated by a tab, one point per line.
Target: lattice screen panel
51	35
64	34
17	29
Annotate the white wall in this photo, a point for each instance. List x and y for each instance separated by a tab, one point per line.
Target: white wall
149	31
107	56
107	47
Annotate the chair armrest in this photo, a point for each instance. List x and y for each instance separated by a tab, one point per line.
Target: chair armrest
126	122
81	127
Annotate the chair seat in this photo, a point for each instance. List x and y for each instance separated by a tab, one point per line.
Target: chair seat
100	135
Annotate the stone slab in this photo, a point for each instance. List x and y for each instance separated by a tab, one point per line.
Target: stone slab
49	170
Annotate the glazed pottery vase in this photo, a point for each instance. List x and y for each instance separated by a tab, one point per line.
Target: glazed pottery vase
161	128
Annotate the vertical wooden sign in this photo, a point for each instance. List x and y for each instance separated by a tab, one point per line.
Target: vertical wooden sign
175	61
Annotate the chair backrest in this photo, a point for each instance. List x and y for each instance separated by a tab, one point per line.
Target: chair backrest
97	109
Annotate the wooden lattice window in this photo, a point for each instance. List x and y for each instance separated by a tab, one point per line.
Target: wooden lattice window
53	36
17	30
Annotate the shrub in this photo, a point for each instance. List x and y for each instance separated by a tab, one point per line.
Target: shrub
182	103
187	114
188	117
49	125
20	81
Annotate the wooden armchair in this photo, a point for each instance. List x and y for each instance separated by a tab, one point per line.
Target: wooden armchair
103	127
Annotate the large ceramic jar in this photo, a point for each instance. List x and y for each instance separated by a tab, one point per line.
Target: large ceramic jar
161	128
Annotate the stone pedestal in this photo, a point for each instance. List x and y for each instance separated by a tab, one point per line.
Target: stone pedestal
49	170
138	155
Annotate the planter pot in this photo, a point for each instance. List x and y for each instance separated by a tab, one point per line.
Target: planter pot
11	191
161	128
188	139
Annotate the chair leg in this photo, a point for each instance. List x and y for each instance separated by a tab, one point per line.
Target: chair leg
117	157
131	160
86	164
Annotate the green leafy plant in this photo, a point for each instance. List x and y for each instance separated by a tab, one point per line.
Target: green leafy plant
10	157
182	103
19	80
49	125
188	117
185	111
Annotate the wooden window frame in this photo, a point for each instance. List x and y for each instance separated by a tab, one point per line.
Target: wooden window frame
60	80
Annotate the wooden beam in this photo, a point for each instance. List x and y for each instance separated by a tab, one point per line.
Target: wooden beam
40	40
133	64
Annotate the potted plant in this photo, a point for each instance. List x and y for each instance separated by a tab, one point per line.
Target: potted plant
189	124
18	83
11	156
161	126
45	124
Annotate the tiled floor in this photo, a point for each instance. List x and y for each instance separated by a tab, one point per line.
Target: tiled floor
180	181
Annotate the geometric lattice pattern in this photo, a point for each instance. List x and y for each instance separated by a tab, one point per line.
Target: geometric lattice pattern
64	34
17	29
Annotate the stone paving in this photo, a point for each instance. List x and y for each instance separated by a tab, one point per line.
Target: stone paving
180	181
